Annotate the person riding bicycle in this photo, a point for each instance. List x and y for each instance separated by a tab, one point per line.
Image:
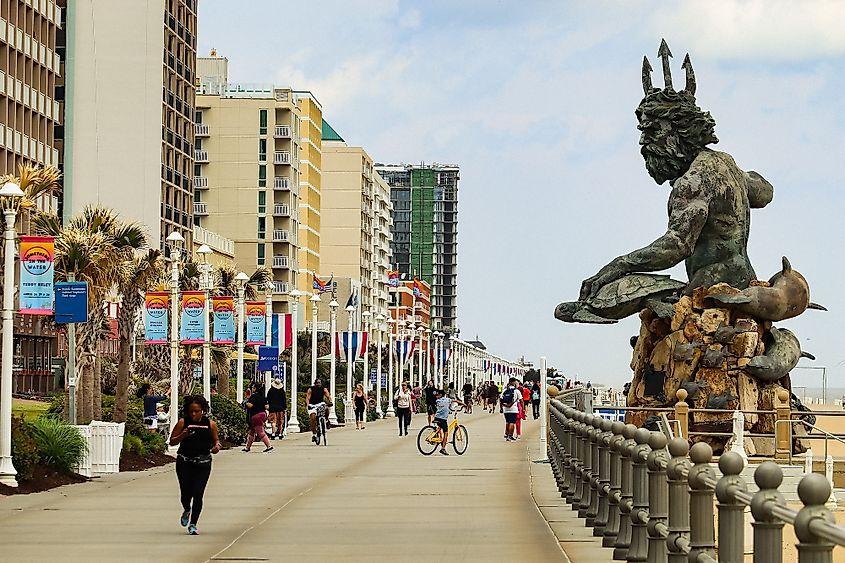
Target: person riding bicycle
467	391
441	417
316	397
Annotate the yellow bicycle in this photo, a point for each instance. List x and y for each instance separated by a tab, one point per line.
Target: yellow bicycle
431	436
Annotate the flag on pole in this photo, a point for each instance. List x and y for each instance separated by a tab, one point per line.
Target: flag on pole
321	286
353	299
358	344
404	350
417	287
393	278
284	320
444	355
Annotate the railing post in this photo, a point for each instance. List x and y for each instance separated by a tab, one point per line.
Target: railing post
731	519
783	448
593	509
768	530
623	539
682	412
702	532
612	528
574	464
604	477
578	461
566	453
638	551
587	467
553	444
813	490
676	472
828	474
658	497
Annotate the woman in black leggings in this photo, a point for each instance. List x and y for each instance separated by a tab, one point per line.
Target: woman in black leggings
403	408
197	437
360	398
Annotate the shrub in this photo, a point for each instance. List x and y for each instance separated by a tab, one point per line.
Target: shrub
24	449
153	442
230	418
60	445
57	405
133	444
134	415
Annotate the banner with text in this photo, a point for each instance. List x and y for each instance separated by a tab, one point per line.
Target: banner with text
155	317
193	317
36	290
223	310
256	322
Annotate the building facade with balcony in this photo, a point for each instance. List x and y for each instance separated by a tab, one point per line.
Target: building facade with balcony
425	232
247	180
310	189
129	131
355	213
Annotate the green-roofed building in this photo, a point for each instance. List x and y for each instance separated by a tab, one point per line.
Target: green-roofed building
329	134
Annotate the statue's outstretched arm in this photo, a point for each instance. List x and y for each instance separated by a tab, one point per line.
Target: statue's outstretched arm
687	217
760	191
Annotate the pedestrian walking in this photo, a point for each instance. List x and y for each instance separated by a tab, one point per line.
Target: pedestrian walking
277	405
492	396
196	436
535	399
403	408
256	411
510	407
525	388
520	416
451	392
430	398
360	400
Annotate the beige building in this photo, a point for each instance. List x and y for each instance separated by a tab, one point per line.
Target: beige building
247	172
356	220
223	249
129	132
310	182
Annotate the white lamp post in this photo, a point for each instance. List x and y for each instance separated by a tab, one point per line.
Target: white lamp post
293	420
429	361
268	329
390	349
333	305
205	285
543	409
422	332
400	337
380	329
240	280
349	360
315	302
10	192
175	240
365	380
412	335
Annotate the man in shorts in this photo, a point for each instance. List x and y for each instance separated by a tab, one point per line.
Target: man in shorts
316	397
510	407
441	417
467	391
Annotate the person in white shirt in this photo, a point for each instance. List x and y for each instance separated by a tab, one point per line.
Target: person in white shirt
402	397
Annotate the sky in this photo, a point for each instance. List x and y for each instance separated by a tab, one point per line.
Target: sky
535	100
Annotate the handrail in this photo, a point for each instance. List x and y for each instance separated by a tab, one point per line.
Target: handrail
808	425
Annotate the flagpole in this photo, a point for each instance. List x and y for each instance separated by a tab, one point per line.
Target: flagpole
348	407
390	412
268	329
332	367
365	379
379	328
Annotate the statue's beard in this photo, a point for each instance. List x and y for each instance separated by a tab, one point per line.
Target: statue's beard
662	164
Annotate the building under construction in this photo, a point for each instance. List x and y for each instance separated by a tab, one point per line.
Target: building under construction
425	231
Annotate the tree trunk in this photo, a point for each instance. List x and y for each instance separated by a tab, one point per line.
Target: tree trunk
223	381
88	391
97	388
121	391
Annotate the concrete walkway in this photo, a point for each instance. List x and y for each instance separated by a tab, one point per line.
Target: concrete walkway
368	495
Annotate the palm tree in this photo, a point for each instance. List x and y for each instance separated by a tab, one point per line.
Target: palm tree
96	247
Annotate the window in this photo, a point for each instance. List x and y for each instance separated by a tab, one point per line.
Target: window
197	170
262	150
261	254
262	227
262	122
199	117
262	176
262	202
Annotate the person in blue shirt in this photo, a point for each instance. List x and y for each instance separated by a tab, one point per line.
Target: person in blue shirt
441	417
151	400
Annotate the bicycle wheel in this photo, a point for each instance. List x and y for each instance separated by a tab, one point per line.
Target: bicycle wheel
322	422
424	440
460	439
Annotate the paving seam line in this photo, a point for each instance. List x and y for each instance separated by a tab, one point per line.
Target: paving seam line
540	512
249	529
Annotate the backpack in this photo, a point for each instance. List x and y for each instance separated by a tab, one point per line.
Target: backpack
507	397
535	396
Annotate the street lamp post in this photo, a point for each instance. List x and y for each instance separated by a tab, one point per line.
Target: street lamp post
422	332
411	338
333	305
10	193
268	329
175	240
543	410
438	375
390	349
400	337
293	420
240	280
429	361
315	301
205	283
349	360
380	329
365	379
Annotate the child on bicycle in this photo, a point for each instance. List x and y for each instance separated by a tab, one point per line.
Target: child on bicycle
441	417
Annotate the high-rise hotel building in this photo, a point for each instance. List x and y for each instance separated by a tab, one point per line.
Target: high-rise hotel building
425	231
129	131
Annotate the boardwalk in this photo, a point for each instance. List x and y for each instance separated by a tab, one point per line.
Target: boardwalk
369	495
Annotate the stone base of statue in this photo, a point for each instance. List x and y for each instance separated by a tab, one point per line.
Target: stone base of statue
705	350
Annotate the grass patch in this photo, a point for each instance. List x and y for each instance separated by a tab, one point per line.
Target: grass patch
29	410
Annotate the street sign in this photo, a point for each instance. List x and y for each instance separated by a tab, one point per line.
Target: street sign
268	356
374	376
280	371
72	302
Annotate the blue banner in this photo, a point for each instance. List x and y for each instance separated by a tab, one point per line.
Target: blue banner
192	319
223	311
155	317
256	322
268	357
71	302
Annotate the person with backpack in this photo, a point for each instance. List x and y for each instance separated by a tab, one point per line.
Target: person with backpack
535	399
509	403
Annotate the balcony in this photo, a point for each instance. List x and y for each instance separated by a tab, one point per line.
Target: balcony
281	210
201	129
280	288
200	155
282	132
281	262
200	208
200	183
280	183
280	235
280	157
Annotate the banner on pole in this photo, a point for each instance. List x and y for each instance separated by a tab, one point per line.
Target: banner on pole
357	346
284	320
223	312
374	377
71	302
36	284
256	322
192	319
155	317
268	358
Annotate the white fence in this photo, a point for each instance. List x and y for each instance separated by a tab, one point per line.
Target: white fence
105	442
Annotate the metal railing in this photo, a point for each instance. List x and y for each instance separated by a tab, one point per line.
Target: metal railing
652	499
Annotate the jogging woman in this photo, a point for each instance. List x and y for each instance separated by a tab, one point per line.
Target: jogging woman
196	435
360	399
